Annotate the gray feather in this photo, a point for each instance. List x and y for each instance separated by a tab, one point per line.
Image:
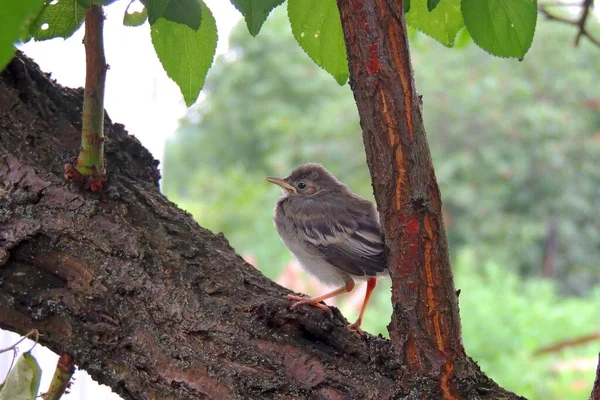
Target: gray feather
331	231
349	237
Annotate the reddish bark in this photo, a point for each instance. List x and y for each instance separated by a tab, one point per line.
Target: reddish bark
425	327
155	306
61	380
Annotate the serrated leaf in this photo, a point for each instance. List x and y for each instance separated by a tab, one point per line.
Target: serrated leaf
14	18
255	12
462	39
85	3
317	28
442	24
186	54
155	9
503	28
432	4
135	18
57	19
23	380
187	12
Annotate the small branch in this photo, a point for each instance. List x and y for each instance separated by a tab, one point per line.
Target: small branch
567	343
14	346
584	14
596	388
579	23
61	379
90	163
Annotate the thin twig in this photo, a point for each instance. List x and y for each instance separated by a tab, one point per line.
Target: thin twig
14	346
579	23
568	343
61	379
584	14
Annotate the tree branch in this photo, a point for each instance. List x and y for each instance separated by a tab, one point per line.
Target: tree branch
567	343
583	19
90	162
146	301
579	23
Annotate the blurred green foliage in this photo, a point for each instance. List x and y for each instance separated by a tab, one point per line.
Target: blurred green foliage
516	148
505	320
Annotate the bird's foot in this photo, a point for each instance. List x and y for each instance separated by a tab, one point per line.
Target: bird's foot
300	300
355	327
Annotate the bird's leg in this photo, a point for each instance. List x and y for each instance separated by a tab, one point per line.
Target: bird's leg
316	301
356	325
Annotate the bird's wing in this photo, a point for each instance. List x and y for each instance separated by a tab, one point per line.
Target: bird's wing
350	240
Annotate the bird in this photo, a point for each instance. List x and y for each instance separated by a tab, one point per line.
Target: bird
335	234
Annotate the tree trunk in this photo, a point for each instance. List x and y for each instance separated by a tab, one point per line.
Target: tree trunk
595	395
425	327
147	301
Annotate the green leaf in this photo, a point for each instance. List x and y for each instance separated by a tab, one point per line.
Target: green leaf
103	2
462	39
23	380
432	4
503	28
187	12
135	18
85	3
442	23
406	4
14	17
155	9
255	12
317	28
186	54
60	18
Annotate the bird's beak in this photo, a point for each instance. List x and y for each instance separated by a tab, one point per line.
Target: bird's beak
283	184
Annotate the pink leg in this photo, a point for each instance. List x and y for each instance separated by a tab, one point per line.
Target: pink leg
356	325
316	301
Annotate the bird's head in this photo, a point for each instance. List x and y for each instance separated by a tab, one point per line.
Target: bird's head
307	180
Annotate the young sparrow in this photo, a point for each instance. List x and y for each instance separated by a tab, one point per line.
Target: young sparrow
334	234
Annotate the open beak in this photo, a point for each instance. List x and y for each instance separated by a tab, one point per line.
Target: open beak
283	184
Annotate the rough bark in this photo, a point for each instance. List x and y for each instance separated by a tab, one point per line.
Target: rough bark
425	327
143	298
595	395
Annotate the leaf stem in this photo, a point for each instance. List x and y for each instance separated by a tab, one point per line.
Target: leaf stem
90	162
61	379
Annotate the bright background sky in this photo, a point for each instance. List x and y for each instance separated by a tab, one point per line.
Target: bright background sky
139	95
138	92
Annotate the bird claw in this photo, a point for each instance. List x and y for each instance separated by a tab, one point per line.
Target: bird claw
355	328
301	300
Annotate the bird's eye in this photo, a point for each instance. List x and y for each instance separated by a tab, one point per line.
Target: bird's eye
301	185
